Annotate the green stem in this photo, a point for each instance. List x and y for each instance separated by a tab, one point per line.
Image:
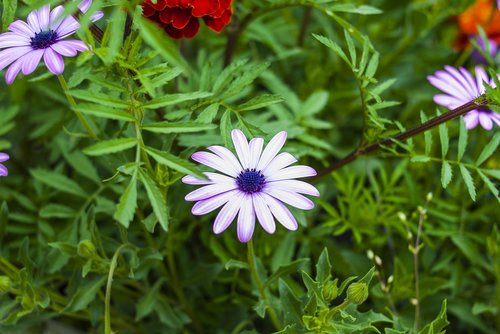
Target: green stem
107	300
262	291
72	103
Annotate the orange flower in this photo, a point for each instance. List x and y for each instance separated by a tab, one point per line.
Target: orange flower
483	13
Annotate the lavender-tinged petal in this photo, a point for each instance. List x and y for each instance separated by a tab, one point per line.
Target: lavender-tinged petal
272	149
212	178
485	120
471	119
281	213
227	156
13	71
96	16
447	101
67	27
208	205
55	17
290	198
292	172
189	179
20	27
3	170
460	80
43	15
210	191
4	157
300	187
33	21
10	55
455	79
472	83
64	50
84	5
481	78
282	160
496	118
246	220
448	88
227	213
31	61
241	146
255	147
264	215
214	161
54	61
11	39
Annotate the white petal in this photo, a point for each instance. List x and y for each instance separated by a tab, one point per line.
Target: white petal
20	27
292	172
241	146
12	39
485	120
227	213
290	198
300	187
67	27
281	161
210	204
9	55
272	148
255	147
263	213
209	191
481	78
281	213
227	156
43	17
33	21
214	161
54	61
471	119
246	220
472	83
31	61
13	71
55	17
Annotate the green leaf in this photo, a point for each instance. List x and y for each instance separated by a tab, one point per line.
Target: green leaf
110	146
323	267
446	174
290	304
489	149
177	127
372	65
8	12
147	303
57	211
333	46
85	295
351	8
156	199
420	158
125	209
162	43
287	269
103	112
58	181
462	140
438	324
260	101
174	99
315	103
99	98
468	182
174	162
351	48
427	134
116	24
226	127
4	219
443	137
489	184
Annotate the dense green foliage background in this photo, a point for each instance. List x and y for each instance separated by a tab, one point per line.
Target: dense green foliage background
335	75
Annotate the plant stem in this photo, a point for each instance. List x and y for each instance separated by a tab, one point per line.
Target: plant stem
262	291
416	251
433	122
72	103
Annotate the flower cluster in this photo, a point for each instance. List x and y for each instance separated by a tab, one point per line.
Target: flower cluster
460	87
179	18
255	185
42	36
3	170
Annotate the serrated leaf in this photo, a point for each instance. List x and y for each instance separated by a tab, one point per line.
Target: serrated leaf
446	174
99	98
85	295
57	211
285	270
323	267
103	112
444	139
420	158
110	146
333	46
125	209
462	140
489	149
489	184
427	134
58	181
351	8
468	181
171	99
438	324
116	24
8	12
226	127
147	303
372	65
315	103
177	127
156	199
174	162
260	101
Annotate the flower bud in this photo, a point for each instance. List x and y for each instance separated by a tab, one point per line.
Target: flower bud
330	291
402	216
429	197
86	249
357	292
378	260
390	279
311	323
5	284
370	254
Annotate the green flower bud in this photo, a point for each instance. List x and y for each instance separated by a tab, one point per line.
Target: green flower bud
86	249
5	284
311	323
357	293
331	291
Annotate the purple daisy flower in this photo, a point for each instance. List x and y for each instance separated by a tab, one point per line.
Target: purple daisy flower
460	88
3	170
42	36
256	184
478	57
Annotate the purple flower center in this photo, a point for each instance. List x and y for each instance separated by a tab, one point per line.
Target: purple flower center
250	180
43	39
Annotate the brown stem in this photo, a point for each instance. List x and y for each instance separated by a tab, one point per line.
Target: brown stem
463	109
303	26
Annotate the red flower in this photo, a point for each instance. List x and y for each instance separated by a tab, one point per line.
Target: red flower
179	18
